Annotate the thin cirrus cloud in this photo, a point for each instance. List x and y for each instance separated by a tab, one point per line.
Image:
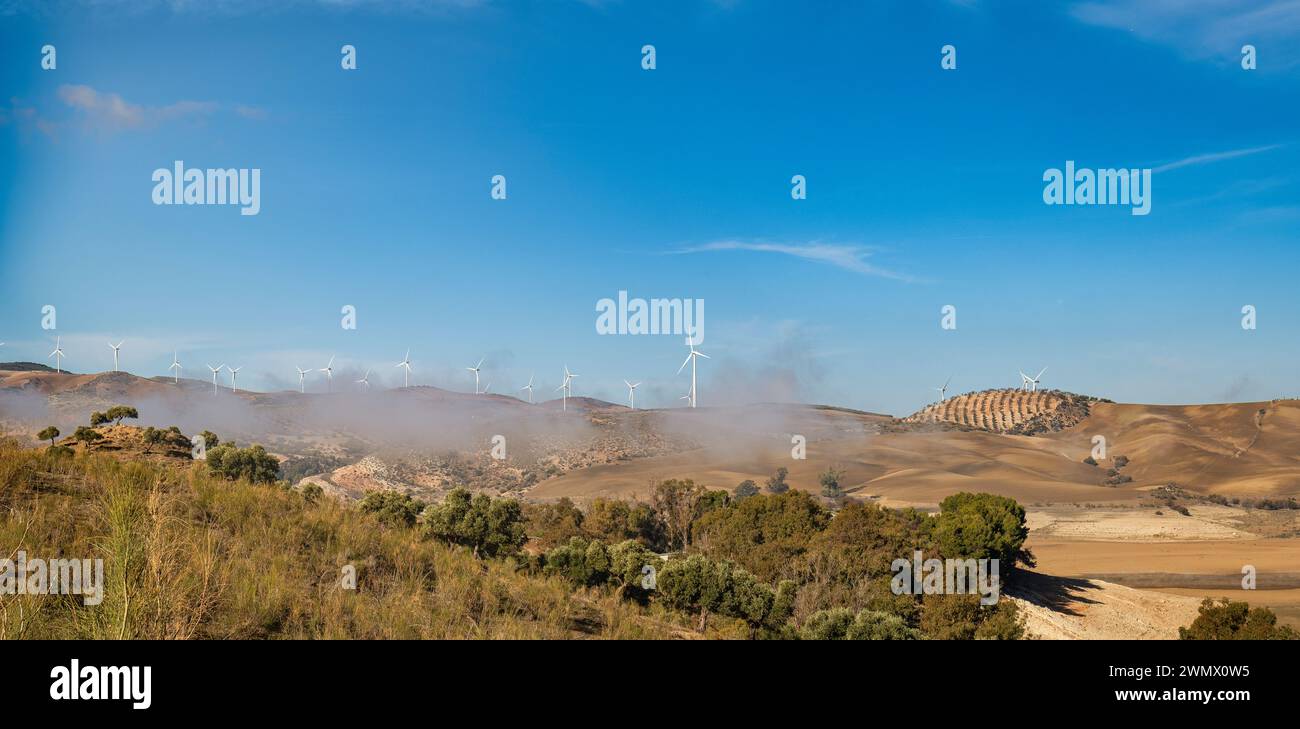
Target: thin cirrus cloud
847	257
1202	159
1206	28
105	112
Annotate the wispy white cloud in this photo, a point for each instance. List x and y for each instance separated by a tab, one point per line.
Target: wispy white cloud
1205	28
848	257
1202	159
100	111
108	111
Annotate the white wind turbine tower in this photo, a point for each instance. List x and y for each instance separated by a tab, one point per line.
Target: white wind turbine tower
406	362
329	374
690	359
115	348
565	387
475	370
689	398
215	370
175	365
529	388
365	381
233	372
943	389
631	393
1033	381
57	354
302	374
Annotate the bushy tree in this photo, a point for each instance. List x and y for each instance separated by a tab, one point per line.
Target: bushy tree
553	524
766	534
97	419
711	501
628	560
745	489
699	585
613	521
830	482
1233	620
152	437
962	617
776	484
983	526
49	434
119	412
87	435
392	508
491	527
590	563
848	564
674	503
582	562
252	463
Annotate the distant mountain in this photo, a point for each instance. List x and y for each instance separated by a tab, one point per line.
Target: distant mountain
25	367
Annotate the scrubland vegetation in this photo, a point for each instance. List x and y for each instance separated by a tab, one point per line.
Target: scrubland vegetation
224	549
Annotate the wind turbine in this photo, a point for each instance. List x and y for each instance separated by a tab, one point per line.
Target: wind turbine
1033	381
115	349
176	365
631	393
565	386
943	389
529	388
406	362
690	359
215	370
475	370
302	374
689	398
485	389
365	381
329	374
234	371
57	354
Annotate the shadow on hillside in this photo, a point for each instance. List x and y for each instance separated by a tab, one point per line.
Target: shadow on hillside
1058	594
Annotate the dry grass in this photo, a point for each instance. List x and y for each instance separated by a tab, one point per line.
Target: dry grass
189	556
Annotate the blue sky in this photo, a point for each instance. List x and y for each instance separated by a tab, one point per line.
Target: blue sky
924	189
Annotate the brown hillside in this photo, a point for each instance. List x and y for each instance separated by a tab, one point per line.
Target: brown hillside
126	442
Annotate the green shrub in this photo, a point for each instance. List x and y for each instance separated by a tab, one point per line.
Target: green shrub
1232	620
253	463
392	508
843	624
